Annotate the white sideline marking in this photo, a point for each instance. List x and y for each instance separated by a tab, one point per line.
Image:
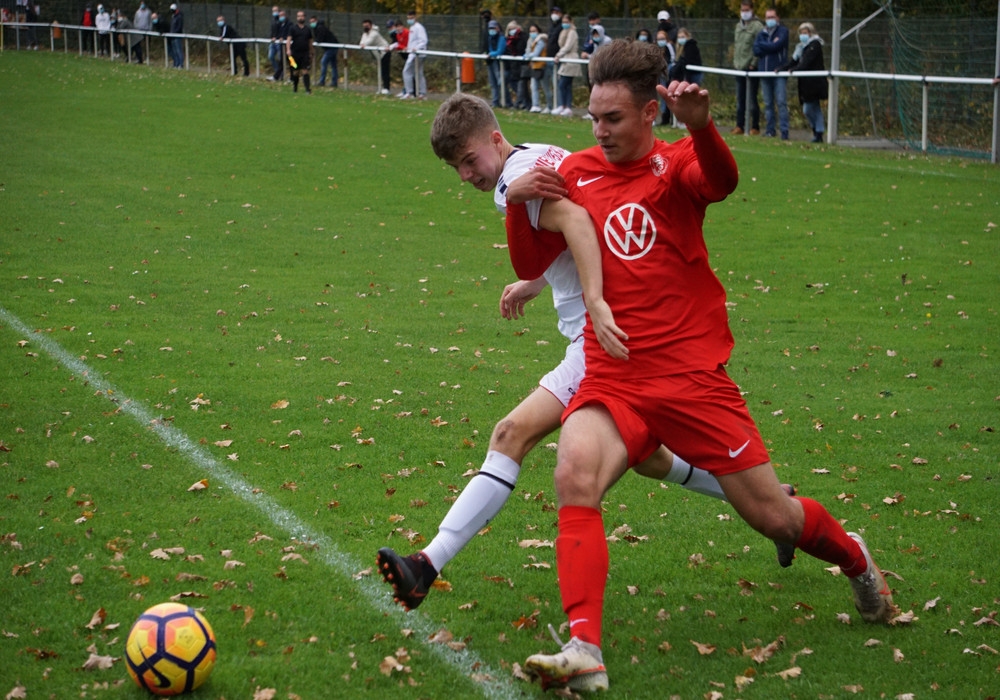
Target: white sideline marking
464	662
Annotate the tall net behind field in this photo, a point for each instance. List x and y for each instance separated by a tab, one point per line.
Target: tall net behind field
957	39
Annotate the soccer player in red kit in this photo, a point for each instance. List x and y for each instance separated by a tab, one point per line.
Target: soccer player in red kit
648	199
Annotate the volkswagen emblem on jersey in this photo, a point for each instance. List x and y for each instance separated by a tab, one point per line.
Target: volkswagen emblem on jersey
629	232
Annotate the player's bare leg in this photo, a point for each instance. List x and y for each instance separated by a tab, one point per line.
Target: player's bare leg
760	500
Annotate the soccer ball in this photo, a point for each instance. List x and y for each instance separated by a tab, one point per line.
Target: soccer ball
170	649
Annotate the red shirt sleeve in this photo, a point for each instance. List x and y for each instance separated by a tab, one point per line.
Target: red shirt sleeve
531	250
719	174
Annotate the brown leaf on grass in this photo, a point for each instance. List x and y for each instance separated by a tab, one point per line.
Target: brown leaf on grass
903	618
741	682
222	443
763	654
98	663
517	672
441	584
897	656
296	556
76	579
987	620
930	604
198	485
18	692
442	636
279	404
186	594
854	688
793	672
182	576
703	649
264	693
535	544
526	621
97	619
390	664
232	564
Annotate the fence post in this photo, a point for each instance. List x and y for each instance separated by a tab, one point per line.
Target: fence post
925	91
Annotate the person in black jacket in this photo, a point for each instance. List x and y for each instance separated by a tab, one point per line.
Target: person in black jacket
323	35
808	55
688	54
176	43
226	31
517	43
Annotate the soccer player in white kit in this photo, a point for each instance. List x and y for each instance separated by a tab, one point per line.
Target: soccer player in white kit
467	136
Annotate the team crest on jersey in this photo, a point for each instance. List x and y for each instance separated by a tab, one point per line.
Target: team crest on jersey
629	231
658	164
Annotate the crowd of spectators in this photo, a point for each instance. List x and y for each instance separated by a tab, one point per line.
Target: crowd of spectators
518	74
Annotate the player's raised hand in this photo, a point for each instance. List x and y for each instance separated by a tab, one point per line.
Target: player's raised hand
609	335
538	183
688	102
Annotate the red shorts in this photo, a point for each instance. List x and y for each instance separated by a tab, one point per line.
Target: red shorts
700	416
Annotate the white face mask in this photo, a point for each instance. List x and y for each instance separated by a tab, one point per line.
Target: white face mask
555	17
746	16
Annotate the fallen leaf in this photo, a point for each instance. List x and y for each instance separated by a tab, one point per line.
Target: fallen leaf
793	672
98	663
264	693
198	485
97	619
281	403
703	649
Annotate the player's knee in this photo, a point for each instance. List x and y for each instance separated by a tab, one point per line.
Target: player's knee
509	438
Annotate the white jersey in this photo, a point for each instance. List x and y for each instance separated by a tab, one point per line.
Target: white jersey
567	292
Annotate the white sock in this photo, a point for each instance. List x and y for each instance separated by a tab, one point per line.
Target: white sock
694	479
476	506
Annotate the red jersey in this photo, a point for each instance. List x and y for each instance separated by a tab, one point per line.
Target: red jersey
657	279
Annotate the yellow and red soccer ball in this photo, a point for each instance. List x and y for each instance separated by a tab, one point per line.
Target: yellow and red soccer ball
170	649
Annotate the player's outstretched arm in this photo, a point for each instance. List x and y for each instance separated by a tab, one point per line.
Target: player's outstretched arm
690	103
575	224
517	294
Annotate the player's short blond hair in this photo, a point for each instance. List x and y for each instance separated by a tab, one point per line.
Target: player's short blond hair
461	119
638	65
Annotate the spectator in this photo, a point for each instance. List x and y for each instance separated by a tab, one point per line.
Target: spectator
593	19
88	24
300	50
276	50
485	17
670	56
414	82
177	43
143	21
103	23
569	44
399	36
747	30
127	40
323	35
372	39
663	24
158	24
239	49
644	35
688	54
537	46
555	29
517	43
496	48
808	56
771	49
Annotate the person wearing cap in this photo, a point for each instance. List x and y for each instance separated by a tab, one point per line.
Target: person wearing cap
176	43
663	24
103	23
494	50
371	39
399	38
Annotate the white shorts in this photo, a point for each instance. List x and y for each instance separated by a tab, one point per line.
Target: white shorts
564	380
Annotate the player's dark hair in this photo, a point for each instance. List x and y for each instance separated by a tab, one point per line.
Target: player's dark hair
460	119
636	64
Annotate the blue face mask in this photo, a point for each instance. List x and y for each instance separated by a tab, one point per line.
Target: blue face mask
532	35
410	21
312	25
804	38
566	26
682	40
643	37
662	43
221	23
771	23
493	32
274	14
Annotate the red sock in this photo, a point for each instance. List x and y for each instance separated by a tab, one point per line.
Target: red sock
582	564
824	538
